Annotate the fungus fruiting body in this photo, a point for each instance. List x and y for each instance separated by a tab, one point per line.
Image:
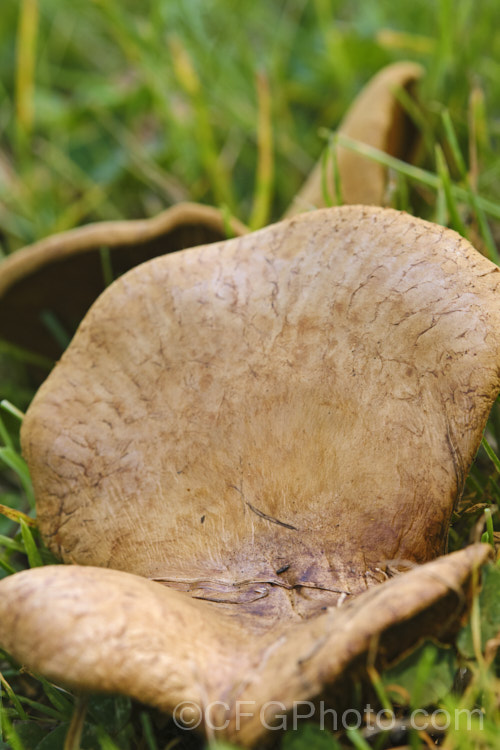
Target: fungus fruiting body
236	466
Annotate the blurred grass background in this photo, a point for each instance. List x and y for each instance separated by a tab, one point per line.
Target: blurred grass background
119	109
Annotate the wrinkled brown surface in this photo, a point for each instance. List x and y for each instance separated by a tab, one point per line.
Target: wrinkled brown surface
63	273
94	629
267	426
375	118
308	396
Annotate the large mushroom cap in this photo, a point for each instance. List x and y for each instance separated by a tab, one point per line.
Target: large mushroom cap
377	118
263	424
63	274
308	396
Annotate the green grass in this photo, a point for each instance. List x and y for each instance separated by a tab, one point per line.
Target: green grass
118	109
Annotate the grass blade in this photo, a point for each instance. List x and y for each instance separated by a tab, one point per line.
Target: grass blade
357	739
106	267
16	515
444	174
9	569
72	741
190	82
414	173
18	465
488	536
451	137
24	355
147	729
25	67
32	552
7	731
491	454
8	543
13	698
55	328
57	697
265	165
105	740
11	409
4	435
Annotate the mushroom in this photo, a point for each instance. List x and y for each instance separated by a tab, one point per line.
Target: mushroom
242	449
63	273
377	118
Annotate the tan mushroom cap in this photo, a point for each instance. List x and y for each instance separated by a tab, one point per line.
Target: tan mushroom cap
261	424
310	395
63	273
376	118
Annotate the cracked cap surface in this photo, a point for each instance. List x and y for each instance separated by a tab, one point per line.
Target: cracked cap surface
267	421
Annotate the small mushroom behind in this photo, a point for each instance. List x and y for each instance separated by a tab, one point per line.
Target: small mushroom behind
377	118
63	274
279	423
